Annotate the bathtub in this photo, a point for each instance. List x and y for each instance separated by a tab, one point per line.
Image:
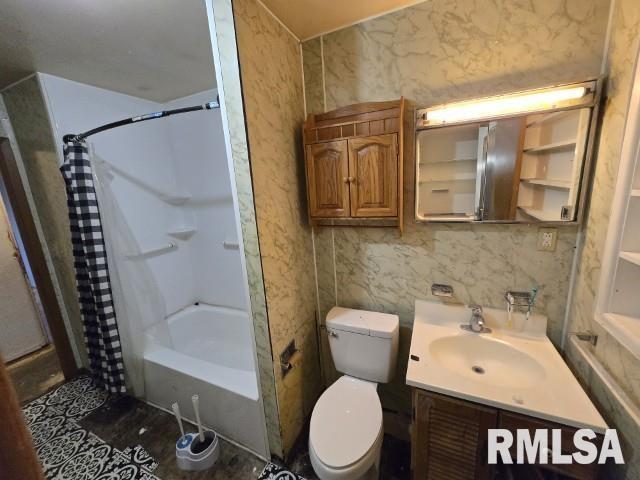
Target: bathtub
207	350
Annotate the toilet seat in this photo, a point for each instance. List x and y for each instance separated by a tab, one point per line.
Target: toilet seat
346	425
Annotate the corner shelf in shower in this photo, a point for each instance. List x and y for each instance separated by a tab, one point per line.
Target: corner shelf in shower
182	233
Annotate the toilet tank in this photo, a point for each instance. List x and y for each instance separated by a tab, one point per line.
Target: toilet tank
363	344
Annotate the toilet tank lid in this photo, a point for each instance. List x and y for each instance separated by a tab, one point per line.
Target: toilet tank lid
375	324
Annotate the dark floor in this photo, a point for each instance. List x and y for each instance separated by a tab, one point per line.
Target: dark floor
35	374
127	421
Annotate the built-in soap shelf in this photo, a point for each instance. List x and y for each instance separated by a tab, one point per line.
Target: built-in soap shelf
175	199
182	233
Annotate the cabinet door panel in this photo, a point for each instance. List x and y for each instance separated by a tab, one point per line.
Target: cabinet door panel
513	421
373	169
327	179
449	438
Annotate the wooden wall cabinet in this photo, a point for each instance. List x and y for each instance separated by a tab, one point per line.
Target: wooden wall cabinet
449	440
353	162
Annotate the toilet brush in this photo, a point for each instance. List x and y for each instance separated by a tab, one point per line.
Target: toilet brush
201	442
176	411
195	399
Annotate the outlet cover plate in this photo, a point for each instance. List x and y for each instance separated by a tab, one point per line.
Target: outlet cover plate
547	239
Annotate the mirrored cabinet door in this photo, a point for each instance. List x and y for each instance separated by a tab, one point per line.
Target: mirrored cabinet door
448	176
526	168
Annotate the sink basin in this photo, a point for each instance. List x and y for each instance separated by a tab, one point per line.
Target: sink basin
515	367
487	360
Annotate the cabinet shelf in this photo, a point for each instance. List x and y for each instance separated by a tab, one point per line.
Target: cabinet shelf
474	159
559	184
632	257
624	328
551	147
540	214
465	177
551	117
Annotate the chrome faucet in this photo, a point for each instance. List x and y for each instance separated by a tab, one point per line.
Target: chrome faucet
476	323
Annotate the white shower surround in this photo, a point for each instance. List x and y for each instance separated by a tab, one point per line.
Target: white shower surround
178	179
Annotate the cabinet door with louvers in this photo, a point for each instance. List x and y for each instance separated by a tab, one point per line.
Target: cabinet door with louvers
450	438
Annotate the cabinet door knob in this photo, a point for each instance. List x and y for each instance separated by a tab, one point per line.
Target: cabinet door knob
345	179
351	179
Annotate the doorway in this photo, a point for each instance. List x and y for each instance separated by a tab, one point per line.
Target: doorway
33	338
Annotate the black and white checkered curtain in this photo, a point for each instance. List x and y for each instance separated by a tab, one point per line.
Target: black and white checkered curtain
92	272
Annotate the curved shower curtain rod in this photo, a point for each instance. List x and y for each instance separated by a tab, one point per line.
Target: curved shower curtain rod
70	137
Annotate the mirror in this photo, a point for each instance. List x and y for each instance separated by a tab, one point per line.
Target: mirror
525	168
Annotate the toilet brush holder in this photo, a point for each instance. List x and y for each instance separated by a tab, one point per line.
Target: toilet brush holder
194	455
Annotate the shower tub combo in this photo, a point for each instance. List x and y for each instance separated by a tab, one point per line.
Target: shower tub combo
206	350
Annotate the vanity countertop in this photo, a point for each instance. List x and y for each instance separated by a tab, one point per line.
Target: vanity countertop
515	367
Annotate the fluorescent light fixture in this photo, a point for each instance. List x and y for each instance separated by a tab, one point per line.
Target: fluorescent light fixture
525	102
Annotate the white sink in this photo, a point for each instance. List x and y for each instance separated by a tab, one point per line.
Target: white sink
486	360
514	367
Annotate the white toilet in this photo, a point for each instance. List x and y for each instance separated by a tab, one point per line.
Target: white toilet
346	425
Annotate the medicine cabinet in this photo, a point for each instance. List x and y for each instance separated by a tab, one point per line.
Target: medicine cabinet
518	158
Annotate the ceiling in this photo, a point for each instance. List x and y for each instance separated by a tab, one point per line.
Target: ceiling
310	18
154	49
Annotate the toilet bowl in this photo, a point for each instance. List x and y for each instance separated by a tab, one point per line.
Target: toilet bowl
345	436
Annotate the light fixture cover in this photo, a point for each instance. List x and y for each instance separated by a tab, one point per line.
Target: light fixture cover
508	105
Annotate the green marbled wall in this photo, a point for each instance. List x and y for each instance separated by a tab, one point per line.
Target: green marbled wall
434	52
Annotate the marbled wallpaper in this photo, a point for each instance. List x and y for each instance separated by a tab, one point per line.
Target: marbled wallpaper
438	51
27	112
623	367
314	83
233	104
271	73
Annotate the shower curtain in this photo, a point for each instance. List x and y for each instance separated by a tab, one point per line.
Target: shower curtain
92	272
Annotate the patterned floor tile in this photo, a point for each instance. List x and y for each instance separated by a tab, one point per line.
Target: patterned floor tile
274	472
69	452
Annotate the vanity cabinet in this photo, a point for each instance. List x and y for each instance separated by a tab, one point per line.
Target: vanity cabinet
353	162
449	439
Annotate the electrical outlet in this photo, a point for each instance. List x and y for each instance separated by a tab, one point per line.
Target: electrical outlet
547	239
